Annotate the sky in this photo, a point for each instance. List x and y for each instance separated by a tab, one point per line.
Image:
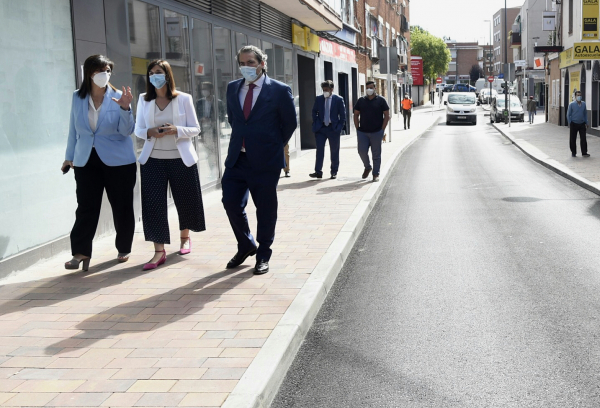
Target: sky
461	20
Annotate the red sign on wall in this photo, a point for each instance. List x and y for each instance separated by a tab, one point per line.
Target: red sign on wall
416	69
335	50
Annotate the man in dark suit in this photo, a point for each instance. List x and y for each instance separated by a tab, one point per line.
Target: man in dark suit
329	117
263	118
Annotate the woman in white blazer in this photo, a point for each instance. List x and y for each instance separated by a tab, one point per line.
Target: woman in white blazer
167	121
100	150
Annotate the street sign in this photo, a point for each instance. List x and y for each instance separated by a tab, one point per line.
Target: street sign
438	80
501	75
490	79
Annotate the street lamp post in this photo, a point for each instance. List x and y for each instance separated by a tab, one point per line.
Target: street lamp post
489	59
506	63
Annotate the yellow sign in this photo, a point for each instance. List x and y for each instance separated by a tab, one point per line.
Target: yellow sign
586	51
590	13
298	36
566	58
304	38
139	65
574	84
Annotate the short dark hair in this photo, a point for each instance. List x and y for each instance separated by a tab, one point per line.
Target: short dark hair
151	90
577	92
258	53
327	84
371	82
92	64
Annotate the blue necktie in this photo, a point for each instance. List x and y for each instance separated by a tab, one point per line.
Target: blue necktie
327	121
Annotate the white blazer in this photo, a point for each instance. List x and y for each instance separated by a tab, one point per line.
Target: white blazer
184	118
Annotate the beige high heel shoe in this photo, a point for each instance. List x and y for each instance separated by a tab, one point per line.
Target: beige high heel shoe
74	264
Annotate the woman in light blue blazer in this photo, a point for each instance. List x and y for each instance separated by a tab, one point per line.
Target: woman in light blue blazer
100	150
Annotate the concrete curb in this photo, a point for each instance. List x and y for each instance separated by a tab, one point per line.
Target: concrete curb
260	383
546	161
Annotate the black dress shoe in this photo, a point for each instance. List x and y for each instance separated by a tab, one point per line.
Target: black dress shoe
261	267
586	155
316	175
333	175
366	173
239	258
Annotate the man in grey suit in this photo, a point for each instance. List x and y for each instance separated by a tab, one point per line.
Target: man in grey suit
329	118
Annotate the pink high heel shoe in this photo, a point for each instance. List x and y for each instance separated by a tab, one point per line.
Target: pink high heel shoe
185	251
161	261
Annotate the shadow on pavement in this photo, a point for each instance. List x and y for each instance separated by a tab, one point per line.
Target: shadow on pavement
73	285
131	317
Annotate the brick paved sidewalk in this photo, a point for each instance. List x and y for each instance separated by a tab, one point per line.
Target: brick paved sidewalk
185	333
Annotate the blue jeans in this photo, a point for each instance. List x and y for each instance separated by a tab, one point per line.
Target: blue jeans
531	115
334	146
373	140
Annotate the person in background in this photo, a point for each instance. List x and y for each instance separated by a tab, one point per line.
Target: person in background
371	116
407	105
286	153
263	119
531	108
577	121
100	150
166	120
329	117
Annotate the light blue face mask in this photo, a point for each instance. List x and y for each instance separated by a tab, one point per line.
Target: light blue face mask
249	73
579	99
158	80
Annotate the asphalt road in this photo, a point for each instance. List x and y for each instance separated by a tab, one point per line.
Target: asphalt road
475	283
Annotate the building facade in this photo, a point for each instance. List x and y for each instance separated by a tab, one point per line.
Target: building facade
464	56
500	36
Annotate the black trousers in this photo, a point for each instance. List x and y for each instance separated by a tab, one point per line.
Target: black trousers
157	175
406	113
238	183
92	179
573	129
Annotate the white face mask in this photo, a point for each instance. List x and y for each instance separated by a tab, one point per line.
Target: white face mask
101	79
326	94
370	91
205	93
249	73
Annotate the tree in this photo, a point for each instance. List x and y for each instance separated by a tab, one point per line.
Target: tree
475	73
436	56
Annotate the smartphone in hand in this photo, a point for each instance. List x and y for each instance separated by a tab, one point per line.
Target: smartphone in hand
66	169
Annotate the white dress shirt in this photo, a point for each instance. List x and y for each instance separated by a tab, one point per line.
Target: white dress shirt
255	92
93	114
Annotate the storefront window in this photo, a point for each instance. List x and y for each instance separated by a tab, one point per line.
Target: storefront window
37	78
254	41
177	51
268	49
224	69
279	64
144	37
209	109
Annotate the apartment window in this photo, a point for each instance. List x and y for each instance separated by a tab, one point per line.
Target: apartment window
570	17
